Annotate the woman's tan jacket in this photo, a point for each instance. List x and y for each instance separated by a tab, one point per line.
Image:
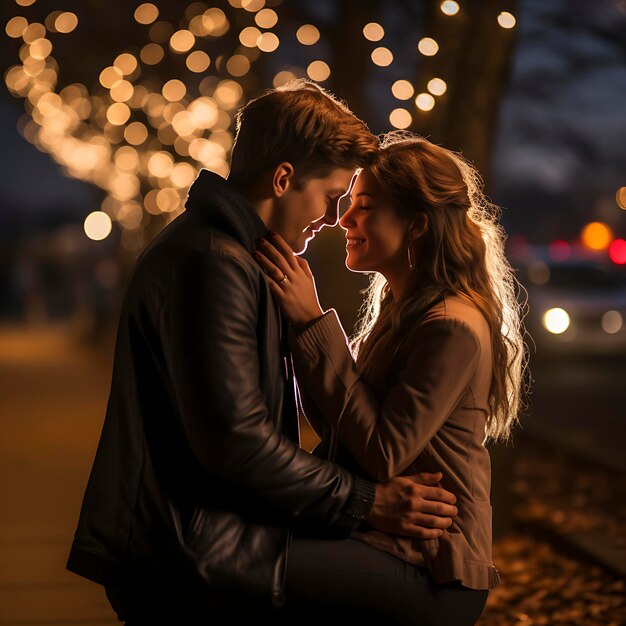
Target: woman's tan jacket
421	408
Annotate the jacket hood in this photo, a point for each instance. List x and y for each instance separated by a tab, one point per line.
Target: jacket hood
226	208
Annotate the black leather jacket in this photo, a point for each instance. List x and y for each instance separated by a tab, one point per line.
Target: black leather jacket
198	474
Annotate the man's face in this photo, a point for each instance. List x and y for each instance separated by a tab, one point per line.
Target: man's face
301	214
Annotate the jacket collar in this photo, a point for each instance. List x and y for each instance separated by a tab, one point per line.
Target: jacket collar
226	208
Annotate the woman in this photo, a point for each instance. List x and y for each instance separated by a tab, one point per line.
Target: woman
435	369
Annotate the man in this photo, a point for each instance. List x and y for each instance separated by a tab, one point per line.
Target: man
198	477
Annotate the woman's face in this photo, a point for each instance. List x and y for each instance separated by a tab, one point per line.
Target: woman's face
377	238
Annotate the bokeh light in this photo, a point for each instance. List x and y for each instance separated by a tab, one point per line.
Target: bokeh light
16	26
267	42
151	54
182	41
382	56
66	22
596	236
266	18
249	36
617	251
437	86
400	118
318	70
174	90
238	65
612	322
620	198
559	250
402	90
198	61
424	102
506	19
373	31
97	225
146	13
449	7
556	320
428	46
308	35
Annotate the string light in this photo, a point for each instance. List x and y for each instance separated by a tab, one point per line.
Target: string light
198	61
267	42
66	22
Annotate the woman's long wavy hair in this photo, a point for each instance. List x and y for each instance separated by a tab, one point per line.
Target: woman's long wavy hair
462	252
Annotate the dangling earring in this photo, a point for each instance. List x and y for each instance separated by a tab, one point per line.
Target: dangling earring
411	257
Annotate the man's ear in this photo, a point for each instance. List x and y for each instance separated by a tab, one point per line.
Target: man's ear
419	226
282	179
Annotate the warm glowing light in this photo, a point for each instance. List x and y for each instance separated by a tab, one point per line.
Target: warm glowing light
151	54
402	89
268	42
556	321
436	86
612	322
449	7
40	48
228	93
318	70
127	159
182	41
25	3
110	75
16	26
252	5
204	111
596	236
382	56
126	63
620	198
183	174
428	47
238	64
506	20
97	225
146	13
617	251
266	18
424	101
216	22
66	22
539	273
184	123
198	61
249	36
160	32
174	90
160	164
130	215
118	113
373	31
122	91
33	31
282	78
168	200
308	35
135	133
400	118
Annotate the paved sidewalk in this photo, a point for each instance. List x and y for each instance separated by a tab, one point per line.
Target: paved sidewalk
53	396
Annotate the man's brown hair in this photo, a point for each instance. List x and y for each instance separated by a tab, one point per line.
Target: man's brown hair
303	124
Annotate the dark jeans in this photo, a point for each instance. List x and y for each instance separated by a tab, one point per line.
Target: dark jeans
326	581
350	580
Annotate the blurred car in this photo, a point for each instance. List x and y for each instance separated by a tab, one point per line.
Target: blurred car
577	306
